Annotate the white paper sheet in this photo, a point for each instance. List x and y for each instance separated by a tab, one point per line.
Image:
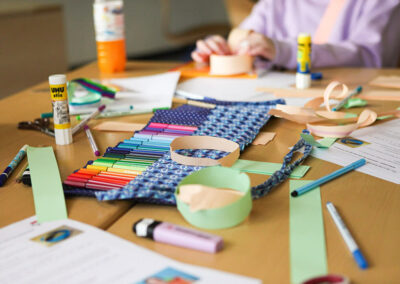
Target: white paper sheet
139	93
234	89
88	255
381	150
145	92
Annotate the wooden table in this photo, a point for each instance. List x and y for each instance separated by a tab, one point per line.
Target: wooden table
16	200
259	247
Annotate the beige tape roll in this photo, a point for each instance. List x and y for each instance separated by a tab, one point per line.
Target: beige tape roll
204	142
230	64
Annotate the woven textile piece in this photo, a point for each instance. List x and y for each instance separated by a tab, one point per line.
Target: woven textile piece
238	122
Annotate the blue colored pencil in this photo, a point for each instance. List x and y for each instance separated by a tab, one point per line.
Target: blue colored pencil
327	178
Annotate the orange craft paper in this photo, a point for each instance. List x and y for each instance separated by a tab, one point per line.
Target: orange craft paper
119	126
386	82
201	197
263	138
204	142
374	95
309	115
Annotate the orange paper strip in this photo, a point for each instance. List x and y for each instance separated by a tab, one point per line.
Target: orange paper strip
119	126
204	142
201	197
263	138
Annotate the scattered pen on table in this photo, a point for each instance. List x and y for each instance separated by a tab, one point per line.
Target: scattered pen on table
91	140
39	124
86	120
327	178
14	163
46	115
347	237
117	113
21	172
356	91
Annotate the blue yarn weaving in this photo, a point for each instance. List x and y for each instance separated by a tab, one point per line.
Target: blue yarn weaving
236	121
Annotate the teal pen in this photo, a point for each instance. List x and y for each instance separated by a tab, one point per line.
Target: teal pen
356	91
46	115
327	178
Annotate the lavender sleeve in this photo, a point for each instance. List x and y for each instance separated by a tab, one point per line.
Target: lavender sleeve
257	20
367	35
373	42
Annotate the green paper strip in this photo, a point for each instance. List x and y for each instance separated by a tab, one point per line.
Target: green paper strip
384	117
265	168
355	102
323	143
350	115
224	217
47	189
307	239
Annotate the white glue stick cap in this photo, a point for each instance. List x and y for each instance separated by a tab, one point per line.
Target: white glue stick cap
303	81
63	136
57	79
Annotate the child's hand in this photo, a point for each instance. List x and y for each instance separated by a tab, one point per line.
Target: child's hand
211	45
257	44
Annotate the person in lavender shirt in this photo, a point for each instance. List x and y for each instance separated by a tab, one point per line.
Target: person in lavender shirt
366	33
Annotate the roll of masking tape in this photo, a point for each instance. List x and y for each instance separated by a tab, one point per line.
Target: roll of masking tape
219	178
230	64
328	279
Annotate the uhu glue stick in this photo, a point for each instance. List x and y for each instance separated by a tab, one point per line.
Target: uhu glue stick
59	99
303	75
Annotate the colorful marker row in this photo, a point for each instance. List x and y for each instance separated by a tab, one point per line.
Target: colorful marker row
122	163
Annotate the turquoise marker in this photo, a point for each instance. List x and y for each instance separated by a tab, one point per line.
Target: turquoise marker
356	91
327	178
46	115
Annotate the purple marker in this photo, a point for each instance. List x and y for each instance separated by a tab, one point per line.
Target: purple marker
168	233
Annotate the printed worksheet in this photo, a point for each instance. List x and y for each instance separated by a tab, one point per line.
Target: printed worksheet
68	251
379	145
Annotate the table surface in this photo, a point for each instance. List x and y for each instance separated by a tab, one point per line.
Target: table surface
259	247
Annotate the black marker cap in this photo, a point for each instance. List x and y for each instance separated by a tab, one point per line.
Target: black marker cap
145	227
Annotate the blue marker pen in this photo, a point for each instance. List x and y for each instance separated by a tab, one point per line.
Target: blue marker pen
351	244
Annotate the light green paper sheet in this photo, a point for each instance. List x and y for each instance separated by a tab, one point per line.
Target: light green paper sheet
265	168
384	117
307	239
47	189
322	143
350	115
355	102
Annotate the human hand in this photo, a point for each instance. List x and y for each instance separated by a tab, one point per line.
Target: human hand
256	44
211	45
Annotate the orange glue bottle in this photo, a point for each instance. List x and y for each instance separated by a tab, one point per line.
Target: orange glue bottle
110	35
